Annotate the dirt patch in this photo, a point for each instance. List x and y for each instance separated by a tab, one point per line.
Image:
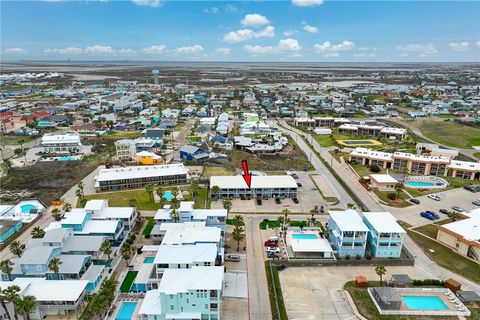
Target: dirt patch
44	180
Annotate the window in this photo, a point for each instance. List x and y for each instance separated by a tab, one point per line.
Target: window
171	307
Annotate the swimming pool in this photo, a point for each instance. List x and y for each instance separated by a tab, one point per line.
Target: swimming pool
126	311
304	236
148	259
168	195
26	208
424	303
66	158
419	184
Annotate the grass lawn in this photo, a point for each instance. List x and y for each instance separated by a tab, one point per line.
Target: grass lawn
216	171
274	224
149	227
401	203
274	282
128	281
428	230
450	133
202	199
121	198
15	140
365	171
123	134
367	308
446	258
477	155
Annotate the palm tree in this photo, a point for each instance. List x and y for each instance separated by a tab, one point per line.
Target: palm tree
132	203
67	207
3	303
238	235
54	266
312	221
380	271
24	306
351	205
174	215
126	253
16	248
11	296
238	221
160	192
454	215
214	191
149	191
37	233
7	164
194	184
399	188
6	267
57	215
284	222
227	204
106	248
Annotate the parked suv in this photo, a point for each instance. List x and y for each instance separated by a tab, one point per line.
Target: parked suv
232	258
459	209
434	197
416	201
270	243
273	249
427	215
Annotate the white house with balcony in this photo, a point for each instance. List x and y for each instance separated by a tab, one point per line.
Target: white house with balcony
61	143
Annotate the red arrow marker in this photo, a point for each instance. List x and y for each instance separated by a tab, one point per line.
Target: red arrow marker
246	174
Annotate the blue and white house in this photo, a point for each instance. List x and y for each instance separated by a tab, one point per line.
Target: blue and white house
347	233
386	235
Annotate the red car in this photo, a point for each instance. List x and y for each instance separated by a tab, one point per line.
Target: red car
271	243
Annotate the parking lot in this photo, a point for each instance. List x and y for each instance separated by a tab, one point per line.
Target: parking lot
455	197
308	196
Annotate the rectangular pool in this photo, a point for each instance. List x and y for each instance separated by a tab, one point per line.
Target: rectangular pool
424	303
148	259
126	311
304	236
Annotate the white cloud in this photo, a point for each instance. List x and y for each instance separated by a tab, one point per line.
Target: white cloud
254	20
307	3
99	49
148	3
404	54
332	50
69	50
477	44
289	33
309	28
365	55
15	50
366	49
190	49
459	46
223	51
284	45
126	52
156	49
213	10
246	34
423	50
230	8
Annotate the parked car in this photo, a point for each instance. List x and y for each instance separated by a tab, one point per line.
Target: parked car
271	243
416	201
299	184
434	197
476	202
281	267
433	214
273	255
273	249
444	211
277	201
459	209
259	201
472	188
295	200
294	176
427	215
232	258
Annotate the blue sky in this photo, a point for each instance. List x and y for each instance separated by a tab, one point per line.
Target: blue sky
294	30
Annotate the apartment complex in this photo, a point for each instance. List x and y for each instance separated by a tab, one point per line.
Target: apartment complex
262	187
463	236
65	143
125	148
416	164
140	176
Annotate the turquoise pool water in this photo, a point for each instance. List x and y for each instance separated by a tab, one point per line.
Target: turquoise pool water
304	236
27	207
424	303
168	195
148	259
126	311
419	184
65	158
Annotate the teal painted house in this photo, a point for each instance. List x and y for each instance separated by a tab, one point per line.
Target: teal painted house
385	239
8	228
